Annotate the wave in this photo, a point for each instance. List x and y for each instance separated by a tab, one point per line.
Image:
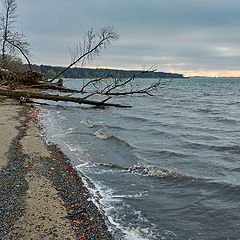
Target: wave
222	186
102	135
145	170
201	136
235	170
230	148
155	171
138	119
132	233
115	127
234	149
107	201
89	123
206	110
233	103
226	120
171	154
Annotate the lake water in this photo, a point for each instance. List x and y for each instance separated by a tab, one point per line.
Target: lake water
168	168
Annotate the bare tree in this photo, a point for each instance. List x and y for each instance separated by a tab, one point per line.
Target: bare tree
7	22
91	46
10	39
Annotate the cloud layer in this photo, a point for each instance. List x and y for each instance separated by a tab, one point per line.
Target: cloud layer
179	36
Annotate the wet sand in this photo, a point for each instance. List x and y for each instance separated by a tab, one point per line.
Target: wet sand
8	124
41	195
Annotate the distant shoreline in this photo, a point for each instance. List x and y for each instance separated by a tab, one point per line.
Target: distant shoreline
51	71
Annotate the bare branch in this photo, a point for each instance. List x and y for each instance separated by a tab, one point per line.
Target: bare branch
91	46
95	81
7	21
94	93
18	41
154	87
106	99
128	81
114	84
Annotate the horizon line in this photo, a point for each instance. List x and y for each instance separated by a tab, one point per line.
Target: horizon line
186	73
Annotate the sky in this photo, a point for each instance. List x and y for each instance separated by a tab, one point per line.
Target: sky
192	37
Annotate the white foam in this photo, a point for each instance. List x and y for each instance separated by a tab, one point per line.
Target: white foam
105	199
153	171
131	233
101	134
88	123
149	170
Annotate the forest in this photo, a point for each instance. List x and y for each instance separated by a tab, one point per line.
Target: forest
77	72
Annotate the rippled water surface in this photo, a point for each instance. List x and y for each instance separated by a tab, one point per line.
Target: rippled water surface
169	167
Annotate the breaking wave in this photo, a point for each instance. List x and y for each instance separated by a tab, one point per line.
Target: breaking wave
89	123
155	171
148	170
102	135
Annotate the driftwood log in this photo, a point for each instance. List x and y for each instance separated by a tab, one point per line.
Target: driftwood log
28	94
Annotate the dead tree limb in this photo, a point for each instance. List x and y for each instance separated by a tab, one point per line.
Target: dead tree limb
94	93
22	48
106	99
91	46
55	87
116	85
122	84
95	81
27	94
147	90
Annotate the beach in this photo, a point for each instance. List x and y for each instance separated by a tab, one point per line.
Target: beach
42	195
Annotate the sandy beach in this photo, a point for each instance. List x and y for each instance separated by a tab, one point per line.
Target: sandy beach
42	196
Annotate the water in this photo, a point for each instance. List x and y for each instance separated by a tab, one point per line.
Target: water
169	167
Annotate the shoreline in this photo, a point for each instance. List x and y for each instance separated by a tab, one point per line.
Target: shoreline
42	195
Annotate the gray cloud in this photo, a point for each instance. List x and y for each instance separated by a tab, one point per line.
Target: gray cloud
186	34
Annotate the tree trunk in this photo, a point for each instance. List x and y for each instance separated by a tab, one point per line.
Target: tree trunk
27	94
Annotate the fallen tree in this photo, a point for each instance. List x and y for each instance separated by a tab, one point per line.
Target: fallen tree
28	94
91	45
107	85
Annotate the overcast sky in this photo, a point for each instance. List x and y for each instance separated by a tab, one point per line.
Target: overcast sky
186	36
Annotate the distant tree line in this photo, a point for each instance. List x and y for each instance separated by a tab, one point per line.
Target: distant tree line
51	71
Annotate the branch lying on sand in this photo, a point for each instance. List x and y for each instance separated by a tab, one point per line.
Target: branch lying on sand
27	94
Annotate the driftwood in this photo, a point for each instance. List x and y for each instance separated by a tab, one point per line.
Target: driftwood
54	86
27	94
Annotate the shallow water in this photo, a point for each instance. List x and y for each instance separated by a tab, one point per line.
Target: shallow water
169	167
